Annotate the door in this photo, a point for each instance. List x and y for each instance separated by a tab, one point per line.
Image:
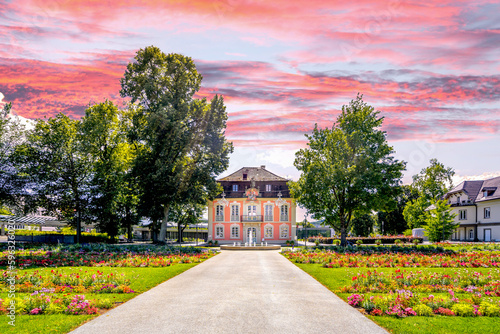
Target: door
253	230
252	212
487	235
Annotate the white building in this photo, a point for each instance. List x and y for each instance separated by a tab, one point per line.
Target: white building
477	208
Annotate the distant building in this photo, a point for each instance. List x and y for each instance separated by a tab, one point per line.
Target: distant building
477	208
255	206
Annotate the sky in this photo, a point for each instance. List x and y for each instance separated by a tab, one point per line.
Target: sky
430	67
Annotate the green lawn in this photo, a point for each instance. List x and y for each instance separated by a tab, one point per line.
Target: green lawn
141	280
334	278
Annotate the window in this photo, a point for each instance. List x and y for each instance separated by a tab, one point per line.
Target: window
487	213
219	213
235	213
284	213
268	232
268	213
235	187
269	187
244	176
462	214
471	234
219	232
235	232
284	231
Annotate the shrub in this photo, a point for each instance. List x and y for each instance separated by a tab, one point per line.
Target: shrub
423	310
359	242
489	309
463	310
316	242
416	241
336	242
378	242
398	242
444	311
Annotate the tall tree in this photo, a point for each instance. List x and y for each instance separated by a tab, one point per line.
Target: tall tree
57	168
430	185
394	222
440	222
12	134
363	225
104	137
434	181
347	170
181	140
185	215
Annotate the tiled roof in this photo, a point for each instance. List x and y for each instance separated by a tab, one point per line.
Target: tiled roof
255	173
491	185
471	188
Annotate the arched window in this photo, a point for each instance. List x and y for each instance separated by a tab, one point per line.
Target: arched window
219	213
268	231
284	231
219	231
284	213
235	231
471	234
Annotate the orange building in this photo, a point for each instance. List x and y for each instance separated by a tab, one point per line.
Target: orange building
255	206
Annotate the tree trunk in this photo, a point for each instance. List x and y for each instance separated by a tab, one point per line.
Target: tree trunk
163	228
179	232
154	235
343	239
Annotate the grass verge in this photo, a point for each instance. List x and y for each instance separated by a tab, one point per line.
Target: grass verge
142	279
335	278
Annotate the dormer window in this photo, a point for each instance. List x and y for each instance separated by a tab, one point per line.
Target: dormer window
488	191
245	176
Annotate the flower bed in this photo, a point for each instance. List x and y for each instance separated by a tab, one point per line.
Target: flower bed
367	240
79	282
331	259
46	301
100	256
404	303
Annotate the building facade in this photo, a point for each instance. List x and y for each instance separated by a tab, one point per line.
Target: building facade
476	205
254	207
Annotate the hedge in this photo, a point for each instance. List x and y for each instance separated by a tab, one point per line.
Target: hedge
386	240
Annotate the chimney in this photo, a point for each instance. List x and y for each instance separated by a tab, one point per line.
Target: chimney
262	166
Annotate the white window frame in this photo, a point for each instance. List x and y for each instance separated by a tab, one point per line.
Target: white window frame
282	228
235	227
219	213
269	187
268	228
235	217
287	214
235	187
462	214
471	234
219	231
268	217
487	213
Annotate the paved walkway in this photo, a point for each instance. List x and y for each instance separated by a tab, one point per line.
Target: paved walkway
236	292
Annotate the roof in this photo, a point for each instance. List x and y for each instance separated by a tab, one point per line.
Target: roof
29	219
471	188
491	185
253	173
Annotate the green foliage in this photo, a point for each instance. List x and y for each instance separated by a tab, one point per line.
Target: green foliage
180	140
347	170
55	167
12	134
463	310
431	184
414	212
433	181
363	225
440	222
104	134
489	309
423	310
